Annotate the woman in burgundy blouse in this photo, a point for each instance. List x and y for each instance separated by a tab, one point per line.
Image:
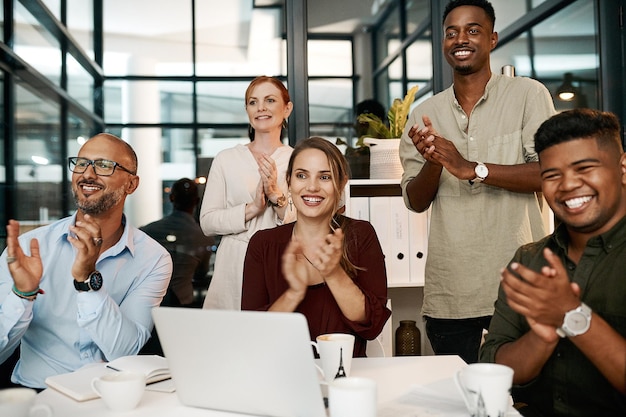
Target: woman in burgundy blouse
326	266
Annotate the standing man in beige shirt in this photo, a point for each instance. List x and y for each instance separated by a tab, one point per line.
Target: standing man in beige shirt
468	154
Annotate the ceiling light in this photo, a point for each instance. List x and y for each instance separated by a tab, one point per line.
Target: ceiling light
567	91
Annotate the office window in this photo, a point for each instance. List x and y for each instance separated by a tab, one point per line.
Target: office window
564	43
419	61
330	100
35	45
242	41
222	102
80	23
387	36
38	158
79	83
417	12
148	101
160	34
330	57
54	6
178	150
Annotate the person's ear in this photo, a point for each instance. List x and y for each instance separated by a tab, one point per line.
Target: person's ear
288	109
494	40
622	164
132	184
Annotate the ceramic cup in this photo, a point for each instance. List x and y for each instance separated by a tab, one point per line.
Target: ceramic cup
20	402
120	391
352	397
485	388
335	349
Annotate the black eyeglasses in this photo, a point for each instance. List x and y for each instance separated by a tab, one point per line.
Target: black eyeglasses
102	167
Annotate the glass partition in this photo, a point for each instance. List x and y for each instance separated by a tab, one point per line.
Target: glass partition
161	37
38	159
36	45
79	83
222	102
80	23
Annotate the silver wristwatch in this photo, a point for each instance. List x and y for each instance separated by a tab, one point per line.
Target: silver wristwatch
576	322
481	172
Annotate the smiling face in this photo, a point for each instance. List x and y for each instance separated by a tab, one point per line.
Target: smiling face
95	194
312	185
585	185
468	39
267	108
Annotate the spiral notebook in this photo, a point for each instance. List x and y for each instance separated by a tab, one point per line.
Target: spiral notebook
249	362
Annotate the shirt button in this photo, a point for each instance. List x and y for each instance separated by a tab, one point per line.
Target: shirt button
471	138
463	116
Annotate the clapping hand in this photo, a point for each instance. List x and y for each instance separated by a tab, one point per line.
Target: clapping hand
25	270
269	176
86	237
440	151
326	259
542	297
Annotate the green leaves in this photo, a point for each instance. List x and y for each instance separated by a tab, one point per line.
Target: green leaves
398	115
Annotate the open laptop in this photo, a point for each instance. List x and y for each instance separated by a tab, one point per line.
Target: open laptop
250	362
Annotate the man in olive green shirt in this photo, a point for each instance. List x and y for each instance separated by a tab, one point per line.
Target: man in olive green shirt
468	155
560	318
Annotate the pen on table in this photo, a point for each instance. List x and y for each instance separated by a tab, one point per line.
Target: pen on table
115	369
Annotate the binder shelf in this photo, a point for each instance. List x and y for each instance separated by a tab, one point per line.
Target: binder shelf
403	234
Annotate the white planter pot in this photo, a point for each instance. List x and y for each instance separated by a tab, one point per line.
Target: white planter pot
384	158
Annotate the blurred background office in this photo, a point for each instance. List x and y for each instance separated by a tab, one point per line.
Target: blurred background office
169	77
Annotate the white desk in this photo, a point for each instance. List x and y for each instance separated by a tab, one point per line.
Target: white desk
393	375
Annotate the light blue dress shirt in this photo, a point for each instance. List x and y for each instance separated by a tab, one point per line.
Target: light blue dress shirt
64	329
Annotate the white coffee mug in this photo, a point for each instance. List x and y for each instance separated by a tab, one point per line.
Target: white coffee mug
352	397
20	402
120	391
485	388
335	350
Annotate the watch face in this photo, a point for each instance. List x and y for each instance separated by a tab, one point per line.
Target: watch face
481	171
577	322
95	280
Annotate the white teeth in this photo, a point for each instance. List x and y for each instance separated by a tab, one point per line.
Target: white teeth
312	199
576	202
88	188
462	53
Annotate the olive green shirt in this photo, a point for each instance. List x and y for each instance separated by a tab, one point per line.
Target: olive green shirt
475	229
569	384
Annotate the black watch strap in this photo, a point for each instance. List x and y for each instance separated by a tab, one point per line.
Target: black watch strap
92	283
81	286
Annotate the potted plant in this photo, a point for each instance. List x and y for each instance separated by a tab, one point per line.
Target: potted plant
398	115
384	139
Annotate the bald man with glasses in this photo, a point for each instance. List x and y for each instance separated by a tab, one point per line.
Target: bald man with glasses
81	289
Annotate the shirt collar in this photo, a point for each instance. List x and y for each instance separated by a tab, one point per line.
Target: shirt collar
608	240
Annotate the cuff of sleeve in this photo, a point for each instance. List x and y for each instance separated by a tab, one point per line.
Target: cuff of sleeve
89	304
14	308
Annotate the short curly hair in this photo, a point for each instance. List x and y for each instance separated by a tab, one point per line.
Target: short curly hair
483	4
575	124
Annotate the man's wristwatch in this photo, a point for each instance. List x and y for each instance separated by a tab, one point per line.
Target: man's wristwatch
576	322
481	172
92	283
280	201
